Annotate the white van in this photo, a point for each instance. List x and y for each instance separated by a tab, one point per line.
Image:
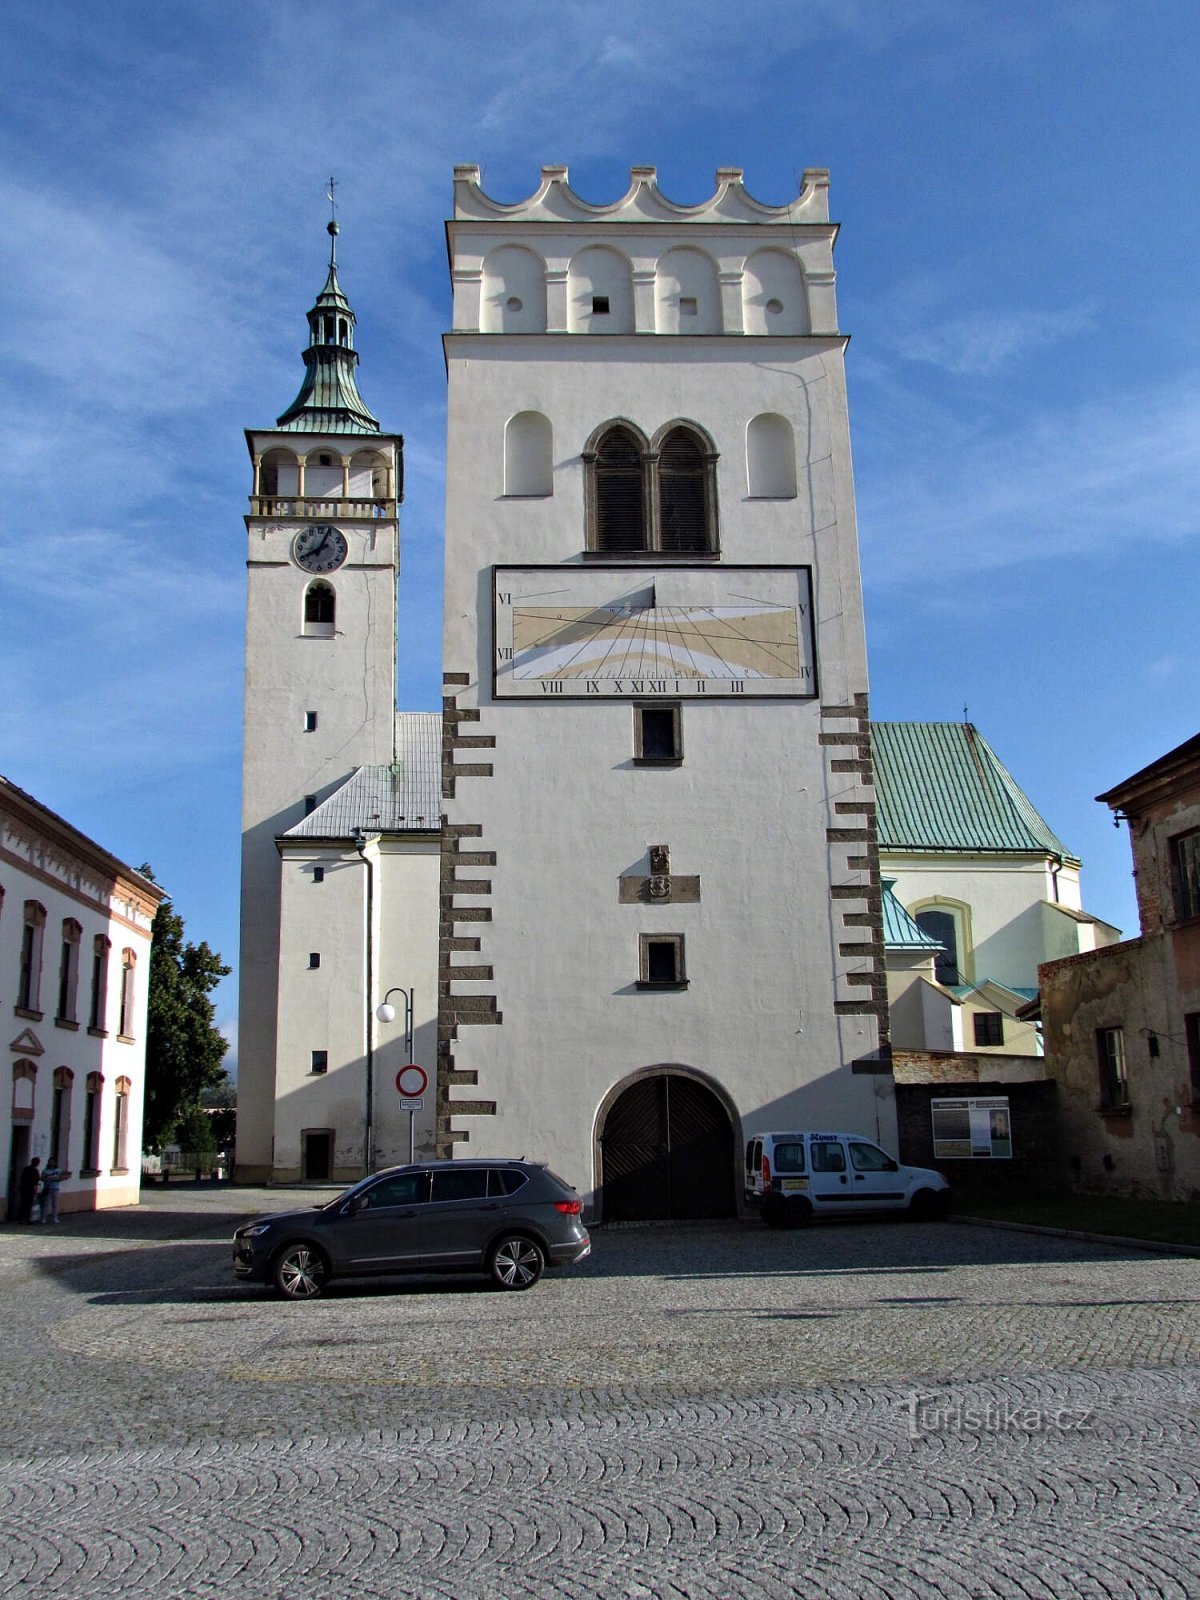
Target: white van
793	1177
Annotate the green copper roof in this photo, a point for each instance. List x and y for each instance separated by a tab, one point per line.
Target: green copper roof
940	786
329	401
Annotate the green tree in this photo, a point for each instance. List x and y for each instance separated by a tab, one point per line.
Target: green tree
184	1049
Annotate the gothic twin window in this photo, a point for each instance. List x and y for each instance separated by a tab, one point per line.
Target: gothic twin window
651	497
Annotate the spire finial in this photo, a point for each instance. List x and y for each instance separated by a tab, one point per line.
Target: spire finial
331	227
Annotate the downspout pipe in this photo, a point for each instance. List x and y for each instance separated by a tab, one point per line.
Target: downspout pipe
363	842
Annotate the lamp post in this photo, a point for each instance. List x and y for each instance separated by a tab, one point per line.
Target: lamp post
387	1013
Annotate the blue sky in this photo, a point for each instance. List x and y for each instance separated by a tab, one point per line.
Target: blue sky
1017	269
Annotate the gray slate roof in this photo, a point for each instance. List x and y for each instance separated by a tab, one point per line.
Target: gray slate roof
405	797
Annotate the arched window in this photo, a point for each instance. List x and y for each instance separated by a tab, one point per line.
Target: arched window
278	475
683	498
770	458
945	924
368	476
323	475
528	454
659	498
618	474
320	610
24	1074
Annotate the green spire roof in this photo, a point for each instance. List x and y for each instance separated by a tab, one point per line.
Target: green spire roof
329	401
941	786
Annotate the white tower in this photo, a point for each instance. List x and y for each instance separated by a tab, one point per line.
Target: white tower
660	883
320	656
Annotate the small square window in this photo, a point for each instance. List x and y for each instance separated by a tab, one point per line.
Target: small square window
658	735
310	804
318	874
314	958
660	961
310	722
599	305
687	305
989	1028
320	1061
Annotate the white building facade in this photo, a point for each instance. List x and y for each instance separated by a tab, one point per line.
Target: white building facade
661	915
340	797
75	926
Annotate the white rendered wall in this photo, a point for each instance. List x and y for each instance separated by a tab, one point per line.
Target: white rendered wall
1008	930
349	681
568	813
326	1007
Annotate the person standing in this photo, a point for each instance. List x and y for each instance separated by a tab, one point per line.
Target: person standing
51	1178
27	1188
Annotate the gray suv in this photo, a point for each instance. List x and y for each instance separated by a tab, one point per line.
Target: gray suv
511	1219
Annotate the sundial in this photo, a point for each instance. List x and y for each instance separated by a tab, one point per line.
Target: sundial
600	633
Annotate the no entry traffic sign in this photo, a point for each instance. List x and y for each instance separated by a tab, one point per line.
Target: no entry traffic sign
412	1081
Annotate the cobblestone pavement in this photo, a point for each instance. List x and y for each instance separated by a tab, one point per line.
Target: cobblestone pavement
870	1409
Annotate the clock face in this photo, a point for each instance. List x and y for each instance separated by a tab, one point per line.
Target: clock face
691	632
321	548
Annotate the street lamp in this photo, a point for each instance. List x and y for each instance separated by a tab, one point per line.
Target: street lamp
387	1013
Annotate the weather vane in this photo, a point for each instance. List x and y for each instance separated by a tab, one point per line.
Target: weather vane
331	227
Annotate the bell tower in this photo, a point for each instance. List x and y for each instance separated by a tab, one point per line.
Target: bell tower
320	689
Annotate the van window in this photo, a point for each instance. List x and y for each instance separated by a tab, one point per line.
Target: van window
789	1157
870	1158
828	1158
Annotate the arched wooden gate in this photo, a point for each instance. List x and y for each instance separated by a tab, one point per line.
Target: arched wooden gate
667	1147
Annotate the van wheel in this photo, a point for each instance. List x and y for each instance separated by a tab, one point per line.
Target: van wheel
773	1216
797	1214
926	1206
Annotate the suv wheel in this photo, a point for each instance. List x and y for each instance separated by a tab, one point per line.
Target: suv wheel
300	1272
516	1262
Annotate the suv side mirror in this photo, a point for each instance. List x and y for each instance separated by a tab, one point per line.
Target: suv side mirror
353	1206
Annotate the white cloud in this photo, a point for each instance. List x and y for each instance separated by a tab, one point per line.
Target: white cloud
985	341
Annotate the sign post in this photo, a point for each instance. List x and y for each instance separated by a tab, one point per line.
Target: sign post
412	1081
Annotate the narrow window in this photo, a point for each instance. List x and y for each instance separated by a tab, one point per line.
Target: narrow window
125	1020
989	1028
660	961
1185	872
91	1124
942	926
599	305
1114	1081
60	1119
96	1015
620	499
314	958
310	804
682	494
658	735
68	970
320	1061
318	874
29	983
320	611
310	722
121	1125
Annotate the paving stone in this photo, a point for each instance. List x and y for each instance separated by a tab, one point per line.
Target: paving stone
867	1409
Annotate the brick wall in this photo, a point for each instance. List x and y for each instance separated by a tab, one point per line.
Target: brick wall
1038	1164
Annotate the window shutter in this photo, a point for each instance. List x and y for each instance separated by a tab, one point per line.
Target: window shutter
620	505
683	518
